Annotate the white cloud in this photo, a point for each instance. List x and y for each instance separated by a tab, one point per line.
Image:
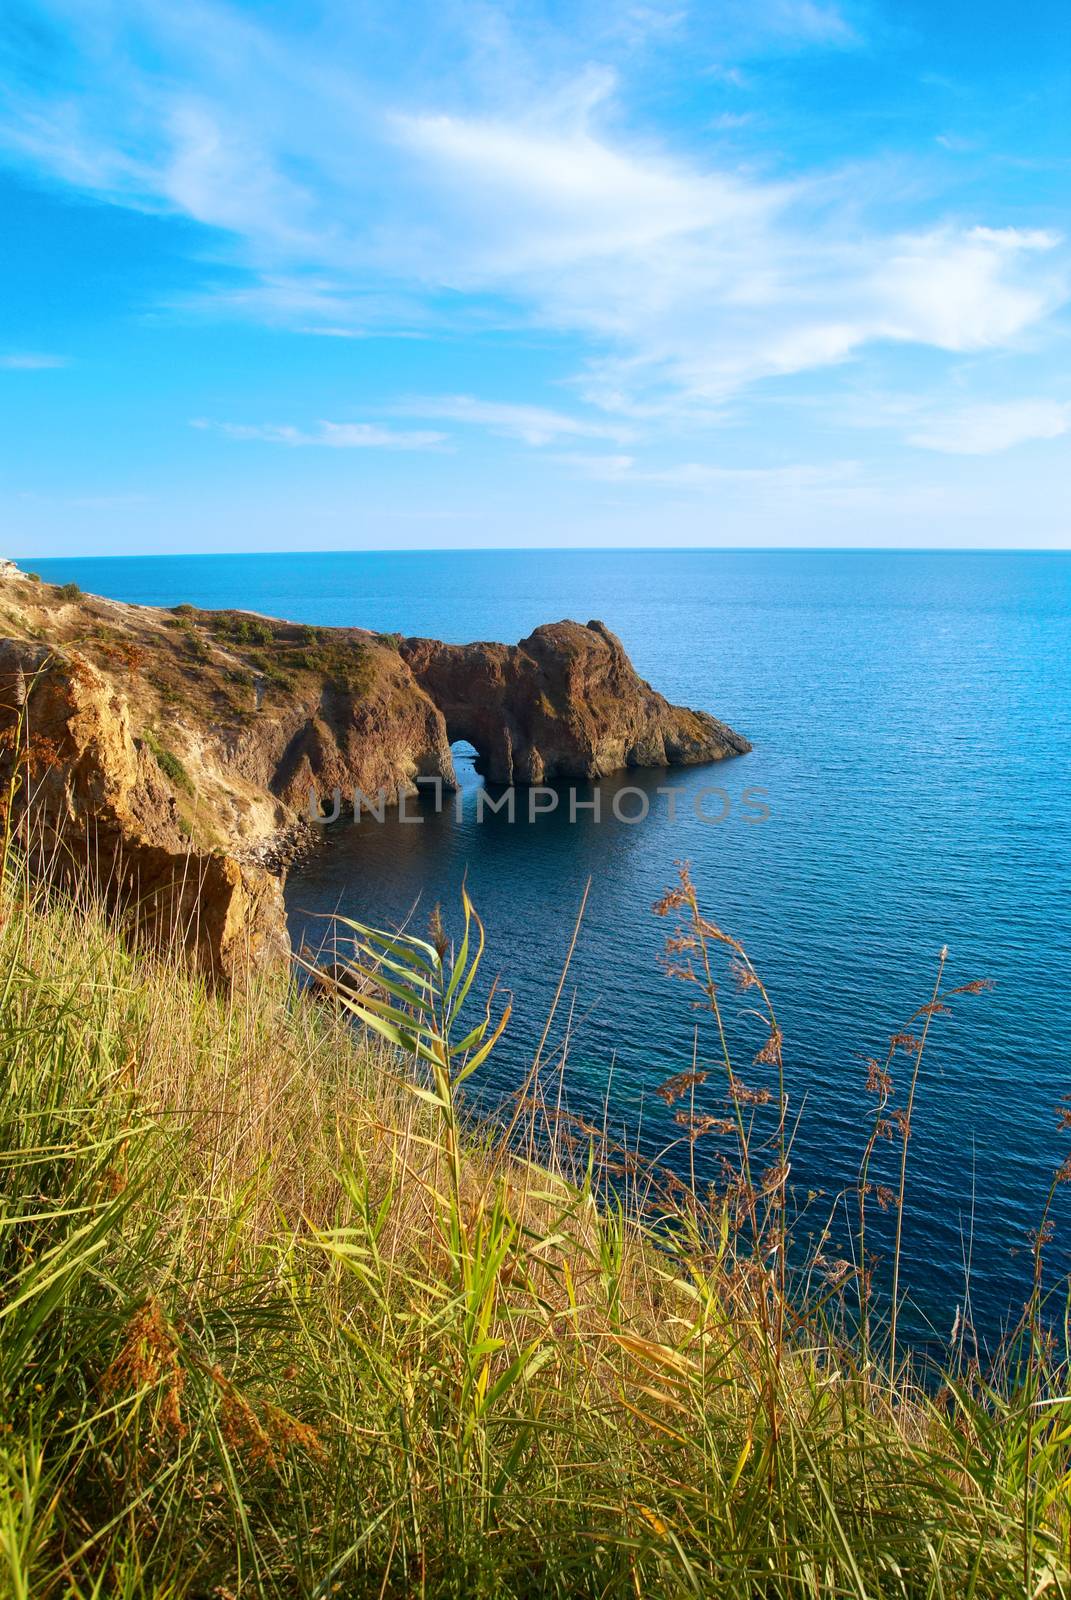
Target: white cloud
730	121
28	361
332	435
955	143
527	200
309	304
728	75
754	28
535	425
967	290
707	477
698	283
604	468
810	23
982	430
332	333
680	280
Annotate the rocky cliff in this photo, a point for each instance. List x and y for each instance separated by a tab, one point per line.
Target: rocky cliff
164	752
88	801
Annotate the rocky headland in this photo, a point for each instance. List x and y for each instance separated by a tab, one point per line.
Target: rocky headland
169	755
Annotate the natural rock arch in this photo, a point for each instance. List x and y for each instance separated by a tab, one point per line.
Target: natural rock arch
174	758
564	703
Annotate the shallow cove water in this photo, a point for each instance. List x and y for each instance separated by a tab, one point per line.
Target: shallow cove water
909	713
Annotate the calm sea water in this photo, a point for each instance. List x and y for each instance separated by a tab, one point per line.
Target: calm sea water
910	717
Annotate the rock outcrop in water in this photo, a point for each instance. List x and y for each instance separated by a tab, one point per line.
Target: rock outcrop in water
564	703
164	754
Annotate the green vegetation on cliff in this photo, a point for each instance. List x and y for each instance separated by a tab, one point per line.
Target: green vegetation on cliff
274	1322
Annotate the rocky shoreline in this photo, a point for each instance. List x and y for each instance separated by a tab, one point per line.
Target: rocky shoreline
292	844
177	751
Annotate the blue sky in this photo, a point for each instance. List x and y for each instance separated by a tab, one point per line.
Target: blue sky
345	275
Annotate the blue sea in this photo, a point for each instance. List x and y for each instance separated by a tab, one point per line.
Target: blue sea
912	742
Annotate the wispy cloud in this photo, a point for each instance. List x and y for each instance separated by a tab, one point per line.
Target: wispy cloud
29	361
708	477
752	29
534	425
955	143
331	435
332	333
806	22
982	430
512	191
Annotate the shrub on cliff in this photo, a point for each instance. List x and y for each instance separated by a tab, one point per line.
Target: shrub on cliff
169	764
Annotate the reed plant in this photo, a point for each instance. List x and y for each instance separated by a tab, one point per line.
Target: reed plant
281	1317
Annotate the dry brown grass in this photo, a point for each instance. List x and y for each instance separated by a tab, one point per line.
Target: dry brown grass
254	1340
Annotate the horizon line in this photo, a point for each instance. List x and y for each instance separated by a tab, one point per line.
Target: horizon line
591	549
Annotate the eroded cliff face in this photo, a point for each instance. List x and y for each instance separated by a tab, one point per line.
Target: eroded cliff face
378	741
163	751
564	703
89	804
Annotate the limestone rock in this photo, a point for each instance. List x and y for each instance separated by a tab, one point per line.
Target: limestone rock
564	703
377	741
168	755
90	806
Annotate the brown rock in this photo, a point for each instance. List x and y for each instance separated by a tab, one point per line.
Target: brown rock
378	742
168	755
564	703
89	805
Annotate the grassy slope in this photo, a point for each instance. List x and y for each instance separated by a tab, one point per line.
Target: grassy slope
253	1343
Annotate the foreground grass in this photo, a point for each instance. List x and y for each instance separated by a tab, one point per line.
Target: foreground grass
273	1324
